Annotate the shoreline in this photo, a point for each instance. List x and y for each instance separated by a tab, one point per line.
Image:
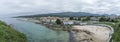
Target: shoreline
89	34
54	28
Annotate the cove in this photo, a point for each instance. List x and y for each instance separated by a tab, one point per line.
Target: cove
37	32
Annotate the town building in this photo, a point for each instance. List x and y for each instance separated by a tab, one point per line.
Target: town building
68	22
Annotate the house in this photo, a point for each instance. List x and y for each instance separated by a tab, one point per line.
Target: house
83	23
68	22
77	22
49	19
80	23
94	18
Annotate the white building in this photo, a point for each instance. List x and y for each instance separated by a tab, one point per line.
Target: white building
84	23
94	18
68	22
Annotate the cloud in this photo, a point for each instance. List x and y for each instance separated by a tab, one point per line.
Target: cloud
46	6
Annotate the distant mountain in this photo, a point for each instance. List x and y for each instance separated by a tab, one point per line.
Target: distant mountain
68	14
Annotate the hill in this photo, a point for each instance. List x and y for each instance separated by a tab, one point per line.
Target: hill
63	14
8	34
67	14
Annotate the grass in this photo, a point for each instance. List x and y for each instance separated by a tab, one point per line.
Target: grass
8	34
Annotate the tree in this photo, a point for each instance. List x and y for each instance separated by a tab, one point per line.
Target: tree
58	21
86	19
102	19
71	18
79	18
114	20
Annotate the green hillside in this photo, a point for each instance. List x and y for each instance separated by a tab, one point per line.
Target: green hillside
8	34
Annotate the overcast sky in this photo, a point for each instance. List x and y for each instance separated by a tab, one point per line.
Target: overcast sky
46	6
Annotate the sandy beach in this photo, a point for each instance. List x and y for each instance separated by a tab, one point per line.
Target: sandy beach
91	33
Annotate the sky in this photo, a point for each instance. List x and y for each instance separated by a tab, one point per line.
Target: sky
51	6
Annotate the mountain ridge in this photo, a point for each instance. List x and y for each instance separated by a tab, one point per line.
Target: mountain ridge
68	14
